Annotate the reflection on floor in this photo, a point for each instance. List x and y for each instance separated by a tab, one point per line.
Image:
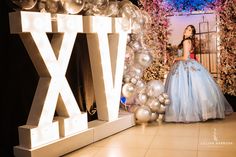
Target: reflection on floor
216	138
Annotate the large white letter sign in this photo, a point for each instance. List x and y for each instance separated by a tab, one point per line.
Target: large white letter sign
51	61
107	46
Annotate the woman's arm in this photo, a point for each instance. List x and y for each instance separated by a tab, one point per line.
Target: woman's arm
186	48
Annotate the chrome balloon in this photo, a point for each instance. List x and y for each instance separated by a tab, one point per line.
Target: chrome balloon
128	90
24	4
73	6
143	114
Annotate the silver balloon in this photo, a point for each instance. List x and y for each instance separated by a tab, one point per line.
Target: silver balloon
128	38
155	88
89	12
100	7
146	17
73	6
136	70
133	108
165	95
25	4
162	109
167	101
143	59
140	84
137	77
125	23
136	26
112	9
101	4
135	45
143	114
128	90
142	98
52	6
135	37
161	99
125	11
129	55
150	91
153	104
126	69
154	117
126	79
133	80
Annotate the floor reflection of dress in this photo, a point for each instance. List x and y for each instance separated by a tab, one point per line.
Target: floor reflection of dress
194	94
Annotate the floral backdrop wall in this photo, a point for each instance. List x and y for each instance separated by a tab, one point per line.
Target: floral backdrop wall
157	38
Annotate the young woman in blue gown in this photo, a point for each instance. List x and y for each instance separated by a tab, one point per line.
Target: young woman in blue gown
193	92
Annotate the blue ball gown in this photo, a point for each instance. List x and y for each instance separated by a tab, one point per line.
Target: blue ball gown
194	94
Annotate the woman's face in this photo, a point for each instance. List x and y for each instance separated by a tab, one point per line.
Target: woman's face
188	32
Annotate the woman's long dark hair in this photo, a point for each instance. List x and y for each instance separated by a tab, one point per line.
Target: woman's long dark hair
192	38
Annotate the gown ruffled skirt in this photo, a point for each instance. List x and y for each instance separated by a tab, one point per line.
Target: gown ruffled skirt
194	94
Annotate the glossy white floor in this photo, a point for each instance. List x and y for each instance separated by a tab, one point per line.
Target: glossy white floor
216	138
